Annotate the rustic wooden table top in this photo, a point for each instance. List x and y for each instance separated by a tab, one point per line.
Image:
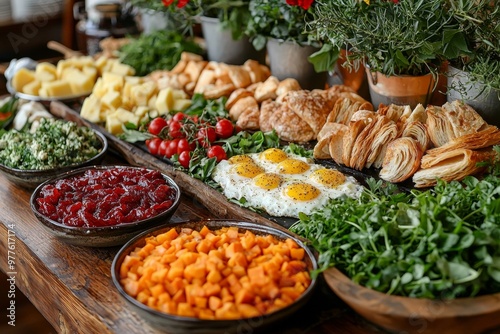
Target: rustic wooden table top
71	286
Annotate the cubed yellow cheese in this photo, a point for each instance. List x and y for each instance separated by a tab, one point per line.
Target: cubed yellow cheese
134	80
91	110
46	67
154	113
181	104
91	71
100	63
61	65
80	82
57	88
113	124
99	89
141	111
113	81
179	94
126	116
43	92
45	76
22	78
122	69
152	102
164	101
32	88
141	94
112	100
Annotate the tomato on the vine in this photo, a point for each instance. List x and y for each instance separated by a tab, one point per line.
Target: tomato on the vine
172	148
162	149
218	152
179	116
206	136
224	128
156	125
175	130
153	144
184	158
183	145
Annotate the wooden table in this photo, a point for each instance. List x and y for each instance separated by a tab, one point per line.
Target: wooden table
71	286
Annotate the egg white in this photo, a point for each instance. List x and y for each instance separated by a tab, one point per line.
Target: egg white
275	201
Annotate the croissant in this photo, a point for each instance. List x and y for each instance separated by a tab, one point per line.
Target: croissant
449	166
401	160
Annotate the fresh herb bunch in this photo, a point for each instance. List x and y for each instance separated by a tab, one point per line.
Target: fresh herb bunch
280	19
405	37
439	243
160	50
479	21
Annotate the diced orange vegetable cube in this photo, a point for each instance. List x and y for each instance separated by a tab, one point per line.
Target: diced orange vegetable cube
232	232
239	271
291	292
244	296
211	289
143	297
179	297
185	310
297	253
214	276
169	307
206	314
157	290
195	270
257	276
214	303
175	272
248	311
159	275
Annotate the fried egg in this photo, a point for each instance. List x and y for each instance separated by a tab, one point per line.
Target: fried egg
282	184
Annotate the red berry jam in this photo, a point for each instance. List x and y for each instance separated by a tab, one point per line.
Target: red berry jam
106	197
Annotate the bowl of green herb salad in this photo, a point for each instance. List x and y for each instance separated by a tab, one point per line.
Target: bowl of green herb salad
418	261
34	154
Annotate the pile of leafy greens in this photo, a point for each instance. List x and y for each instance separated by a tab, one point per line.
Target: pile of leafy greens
439	243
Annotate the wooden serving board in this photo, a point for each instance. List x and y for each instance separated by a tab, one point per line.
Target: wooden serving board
213	200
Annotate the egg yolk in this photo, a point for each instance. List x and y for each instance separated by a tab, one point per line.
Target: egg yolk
249	170
274	155
302	191
267	181
236	159
292	166
328	177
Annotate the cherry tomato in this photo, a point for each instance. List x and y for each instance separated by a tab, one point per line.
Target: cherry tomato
218	152
224	128
153	144
183	145
175	130
172	148
184	158
179	116
157	125
162	149
205	136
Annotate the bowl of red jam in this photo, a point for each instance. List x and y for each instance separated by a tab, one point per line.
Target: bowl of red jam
103	206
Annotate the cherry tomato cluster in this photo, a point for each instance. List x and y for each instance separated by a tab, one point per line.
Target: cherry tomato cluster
183	134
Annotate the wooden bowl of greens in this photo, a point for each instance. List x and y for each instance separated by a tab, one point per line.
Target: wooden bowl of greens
415	262
30	158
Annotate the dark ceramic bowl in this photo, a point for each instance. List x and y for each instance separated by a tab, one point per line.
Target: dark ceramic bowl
105	236
418	315
189	325
31	178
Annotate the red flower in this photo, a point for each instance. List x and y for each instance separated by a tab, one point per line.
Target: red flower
182	3
167	3
305	4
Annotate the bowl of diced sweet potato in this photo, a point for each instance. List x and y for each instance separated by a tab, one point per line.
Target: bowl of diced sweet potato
214	276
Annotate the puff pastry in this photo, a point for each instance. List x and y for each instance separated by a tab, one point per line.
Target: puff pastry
388	132
418	131
452	165
324	138
401	160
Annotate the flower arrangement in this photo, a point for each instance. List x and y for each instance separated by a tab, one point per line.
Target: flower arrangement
394	37
280	19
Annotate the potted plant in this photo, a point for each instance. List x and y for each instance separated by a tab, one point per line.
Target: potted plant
474	76
223	24
280	25
400	42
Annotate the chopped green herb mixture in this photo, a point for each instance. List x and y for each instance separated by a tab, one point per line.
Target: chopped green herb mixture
439	243
55	143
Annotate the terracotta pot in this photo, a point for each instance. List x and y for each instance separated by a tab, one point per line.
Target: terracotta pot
402	90
290	60
485	102
221	46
